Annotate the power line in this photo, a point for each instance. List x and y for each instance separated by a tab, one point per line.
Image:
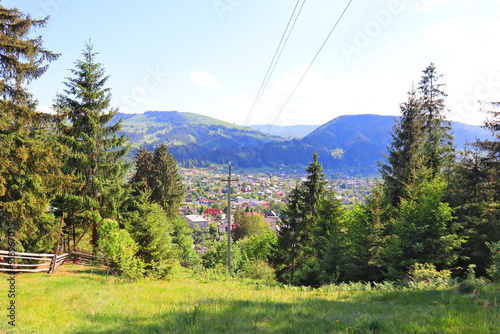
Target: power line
310	65
270	70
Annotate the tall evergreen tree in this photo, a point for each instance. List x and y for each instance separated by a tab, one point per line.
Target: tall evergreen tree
368	230
477	211
311	191
30	168
439	139
424	230
285	255
405	149
159	173
95	144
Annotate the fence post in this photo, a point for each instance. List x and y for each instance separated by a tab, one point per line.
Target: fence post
53	263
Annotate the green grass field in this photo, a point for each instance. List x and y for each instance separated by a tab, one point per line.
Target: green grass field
74	300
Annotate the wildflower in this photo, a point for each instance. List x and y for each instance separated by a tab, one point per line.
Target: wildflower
336	321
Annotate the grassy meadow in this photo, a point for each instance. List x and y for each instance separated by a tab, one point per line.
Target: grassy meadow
76	300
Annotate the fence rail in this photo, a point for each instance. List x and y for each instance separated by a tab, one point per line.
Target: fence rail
47	262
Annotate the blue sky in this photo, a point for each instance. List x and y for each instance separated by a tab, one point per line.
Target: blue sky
210	56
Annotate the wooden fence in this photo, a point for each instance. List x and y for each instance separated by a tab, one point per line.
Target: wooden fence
47	262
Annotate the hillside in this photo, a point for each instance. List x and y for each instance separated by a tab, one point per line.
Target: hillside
351	143
191	137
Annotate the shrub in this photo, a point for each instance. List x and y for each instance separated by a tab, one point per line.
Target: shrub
424	275
119	246
494	269
260	270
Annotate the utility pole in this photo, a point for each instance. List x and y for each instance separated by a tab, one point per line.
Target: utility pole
229	219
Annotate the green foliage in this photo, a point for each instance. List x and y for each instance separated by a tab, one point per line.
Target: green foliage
183	240
247	226
152	231
426	274
494	269
96	148
158	172
259	246
423	228
216	257
117	244
31	168
405	152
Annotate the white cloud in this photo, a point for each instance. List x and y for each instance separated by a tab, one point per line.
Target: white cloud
204	79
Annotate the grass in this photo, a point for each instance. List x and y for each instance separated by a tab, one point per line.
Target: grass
74	300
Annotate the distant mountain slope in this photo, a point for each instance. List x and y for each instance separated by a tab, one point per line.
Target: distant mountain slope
300	130
192	137
348	143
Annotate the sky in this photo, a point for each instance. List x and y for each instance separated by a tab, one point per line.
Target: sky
211	56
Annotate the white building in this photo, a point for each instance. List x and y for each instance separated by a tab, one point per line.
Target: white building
196	220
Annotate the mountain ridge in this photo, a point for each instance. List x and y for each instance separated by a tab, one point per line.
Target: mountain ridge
348	142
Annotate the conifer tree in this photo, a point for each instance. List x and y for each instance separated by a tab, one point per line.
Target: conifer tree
30	168
96	147
439	139
159	173
285	255
424	229
311	190
405	149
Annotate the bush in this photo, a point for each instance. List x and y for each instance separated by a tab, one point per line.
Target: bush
260	270
425	275
119	246
494	269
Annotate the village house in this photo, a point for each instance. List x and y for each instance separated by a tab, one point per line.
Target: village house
193	220
214	212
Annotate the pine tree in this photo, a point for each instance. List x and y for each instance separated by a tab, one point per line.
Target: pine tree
96	147
30	169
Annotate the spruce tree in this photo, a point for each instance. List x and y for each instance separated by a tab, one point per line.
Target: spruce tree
405	149
311	191
424	229
30	168
159	173
96	147
439	139
285	254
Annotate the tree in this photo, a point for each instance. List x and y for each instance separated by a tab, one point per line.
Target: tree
368	230
475	190
159	173
96	148
423	229
214	231
285	254
30	169
182	237
152	231
248	225
438	145
118	245
405	149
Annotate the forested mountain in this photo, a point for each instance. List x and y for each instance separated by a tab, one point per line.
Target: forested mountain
351	142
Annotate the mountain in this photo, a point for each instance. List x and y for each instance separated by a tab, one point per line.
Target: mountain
351	143
292	131
192	138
